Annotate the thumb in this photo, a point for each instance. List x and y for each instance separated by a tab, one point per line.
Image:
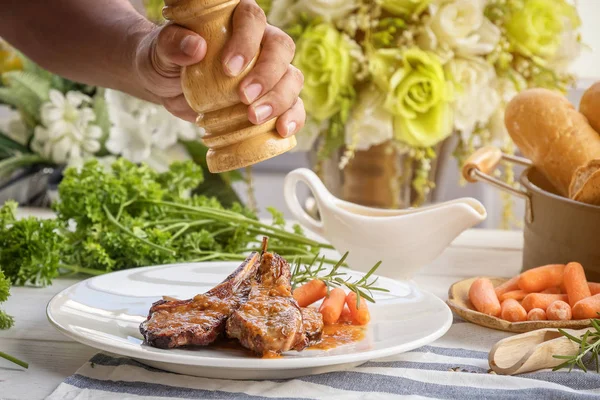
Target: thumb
178	47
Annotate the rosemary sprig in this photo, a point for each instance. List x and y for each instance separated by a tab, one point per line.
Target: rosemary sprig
589	343
14	360
335	278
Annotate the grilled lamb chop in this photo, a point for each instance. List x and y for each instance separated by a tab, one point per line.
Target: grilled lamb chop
312	321
271	320
201	320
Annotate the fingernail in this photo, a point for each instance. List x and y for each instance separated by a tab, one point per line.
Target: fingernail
291	128
190	45
235	65
263	112
253	91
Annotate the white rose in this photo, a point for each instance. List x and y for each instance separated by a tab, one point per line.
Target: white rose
569	50
476	97
285	11
307	136
506	90
370	123
460	27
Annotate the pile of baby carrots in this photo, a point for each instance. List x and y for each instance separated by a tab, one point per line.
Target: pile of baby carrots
552	292
338	307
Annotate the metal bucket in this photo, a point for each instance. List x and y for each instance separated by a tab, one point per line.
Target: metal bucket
557	230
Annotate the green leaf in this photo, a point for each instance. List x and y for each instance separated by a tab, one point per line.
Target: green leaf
29	84
9	147
102	116
26	92
571	337
277	215
32	68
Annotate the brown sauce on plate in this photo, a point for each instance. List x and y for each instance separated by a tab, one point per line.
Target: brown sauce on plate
333	336
339	335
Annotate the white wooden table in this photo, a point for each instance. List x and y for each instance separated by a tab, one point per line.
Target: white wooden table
52	357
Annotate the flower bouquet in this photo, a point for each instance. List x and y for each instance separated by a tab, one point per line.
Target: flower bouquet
389	78
54	122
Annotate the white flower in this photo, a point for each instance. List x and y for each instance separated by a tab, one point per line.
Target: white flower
281	12
506	90
370	123
140	128
285	11
308	135
569	50
161	159
128	137
67	132
476	98
460	27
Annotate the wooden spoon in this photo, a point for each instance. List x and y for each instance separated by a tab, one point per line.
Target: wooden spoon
532	351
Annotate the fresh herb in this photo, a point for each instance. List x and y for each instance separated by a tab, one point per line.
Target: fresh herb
589	343
130	216
6	321
334	278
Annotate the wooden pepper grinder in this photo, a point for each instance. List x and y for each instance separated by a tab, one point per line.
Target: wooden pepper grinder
233	141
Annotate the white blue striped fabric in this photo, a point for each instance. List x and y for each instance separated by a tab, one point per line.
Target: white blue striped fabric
454	367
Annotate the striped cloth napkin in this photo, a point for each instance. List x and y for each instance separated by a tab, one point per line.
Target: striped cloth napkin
454	367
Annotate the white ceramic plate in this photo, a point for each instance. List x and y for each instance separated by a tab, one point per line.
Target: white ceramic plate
105	313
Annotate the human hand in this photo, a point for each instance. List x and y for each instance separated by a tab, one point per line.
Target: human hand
271	89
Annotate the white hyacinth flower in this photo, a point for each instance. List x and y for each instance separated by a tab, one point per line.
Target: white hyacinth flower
145	132
67	131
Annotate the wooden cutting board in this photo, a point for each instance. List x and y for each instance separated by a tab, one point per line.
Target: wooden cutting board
458	301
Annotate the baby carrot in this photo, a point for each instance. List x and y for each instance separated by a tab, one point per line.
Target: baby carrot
594	288
310	292
332	306
515	294
512	311
587	308
559	311
576	283
360	315
552	290
508	286
346	316
483	296
540	300
537	279
536	314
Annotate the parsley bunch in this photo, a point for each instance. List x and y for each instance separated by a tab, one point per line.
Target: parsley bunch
6	321
131	216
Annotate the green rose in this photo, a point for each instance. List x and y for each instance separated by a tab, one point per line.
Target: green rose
404	7
535	27
323	56
418	97
383	63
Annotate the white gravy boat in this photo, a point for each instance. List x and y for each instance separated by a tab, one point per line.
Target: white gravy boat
404	240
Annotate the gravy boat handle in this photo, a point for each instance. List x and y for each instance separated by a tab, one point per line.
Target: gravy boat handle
290	191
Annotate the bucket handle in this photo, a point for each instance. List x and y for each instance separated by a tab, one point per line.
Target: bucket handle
481	164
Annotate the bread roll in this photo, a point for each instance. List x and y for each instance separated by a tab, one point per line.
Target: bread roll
552	134
585	186
590	106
